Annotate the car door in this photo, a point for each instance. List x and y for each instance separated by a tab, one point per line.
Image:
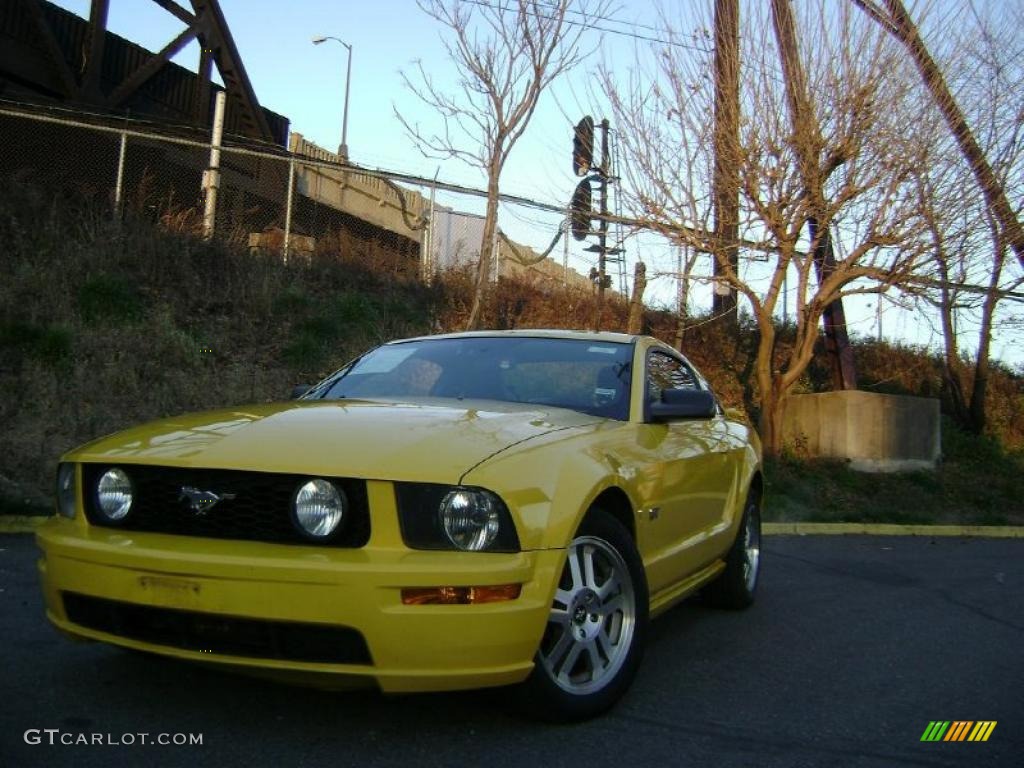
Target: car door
686	477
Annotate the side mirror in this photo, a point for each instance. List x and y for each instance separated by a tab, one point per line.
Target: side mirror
300	390
684	404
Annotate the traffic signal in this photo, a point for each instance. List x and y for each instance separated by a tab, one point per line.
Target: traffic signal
583	146
581	210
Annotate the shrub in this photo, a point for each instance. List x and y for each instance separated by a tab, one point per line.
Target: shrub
49	344
108	298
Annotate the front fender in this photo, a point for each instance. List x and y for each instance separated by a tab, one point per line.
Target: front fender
550	483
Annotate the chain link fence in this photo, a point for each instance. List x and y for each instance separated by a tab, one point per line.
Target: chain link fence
295	202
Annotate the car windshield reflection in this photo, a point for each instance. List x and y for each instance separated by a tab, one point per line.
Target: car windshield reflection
589	376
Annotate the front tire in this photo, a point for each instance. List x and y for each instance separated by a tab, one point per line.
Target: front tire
593	643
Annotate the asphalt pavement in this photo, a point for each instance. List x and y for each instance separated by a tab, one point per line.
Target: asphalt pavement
854	645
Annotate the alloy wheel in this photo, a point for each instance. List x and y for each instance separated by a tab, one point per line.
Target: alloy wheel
592	620
751	547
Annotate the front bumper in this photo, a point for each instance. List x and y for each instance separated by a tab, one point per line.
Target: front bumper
411	648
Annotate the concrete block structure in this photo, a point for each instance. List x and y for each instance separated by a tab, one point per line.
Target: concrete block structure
875	432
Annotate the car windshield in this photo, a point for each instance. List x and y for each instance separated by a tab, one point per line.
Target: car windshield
590	376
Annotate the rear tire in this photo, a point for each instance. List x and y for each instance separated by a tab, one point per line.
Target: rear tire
593	643
735	588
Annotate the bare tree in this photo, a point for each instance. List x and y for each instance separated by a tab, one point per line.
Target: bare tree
815	168
507	53
851	146
895	20
685	263
968	245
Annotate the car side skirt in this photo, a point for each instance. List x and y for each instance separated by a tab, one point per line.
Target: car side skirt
675	593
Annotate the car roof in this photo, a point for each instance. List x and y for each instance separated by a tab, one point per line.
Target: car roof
536	333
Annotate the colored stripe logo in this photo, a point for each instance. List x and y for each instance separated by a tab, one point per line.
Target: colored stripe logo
958	730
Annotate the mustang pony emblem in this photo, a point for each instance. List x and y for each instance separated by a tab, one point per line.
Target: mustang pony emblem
201	502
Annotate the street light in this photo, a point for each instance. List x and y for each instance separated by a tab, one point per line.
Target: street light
343	149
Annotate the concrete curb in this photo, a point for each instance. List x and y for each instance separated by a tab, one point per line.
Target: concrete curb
889	529
28	524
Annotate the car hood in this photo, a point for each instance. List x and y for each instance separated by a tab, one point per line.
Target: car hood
346	438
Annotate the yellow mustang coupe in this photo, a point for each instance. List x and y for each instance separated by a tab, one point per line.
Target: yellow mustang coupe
457	511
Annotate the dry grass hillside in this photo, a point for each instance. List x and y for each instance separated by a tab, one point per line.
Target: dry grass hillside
104	324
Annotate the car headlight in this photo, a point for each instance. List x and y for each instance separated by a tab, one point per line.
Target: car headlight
114	495
442	517
318	508
470	518
67	489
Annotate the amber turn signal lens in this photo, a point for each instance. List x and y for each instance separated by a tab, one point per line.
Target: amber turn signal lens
460	595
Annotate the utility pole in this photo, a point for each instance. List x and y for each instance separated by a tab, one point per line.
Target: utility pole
211	176
808	135
899	24
602	227
635	323
837	339
581	211
726	181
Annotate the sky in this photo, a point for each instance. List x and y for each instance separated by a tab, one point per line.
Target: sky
306	83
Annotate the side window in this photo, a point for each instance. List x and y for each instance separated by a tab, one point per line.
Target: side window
666	372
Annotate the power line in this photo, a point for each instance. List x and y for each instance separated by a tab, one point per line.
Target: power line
910	279
534	221
585	25
929	282
126	127
634	24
